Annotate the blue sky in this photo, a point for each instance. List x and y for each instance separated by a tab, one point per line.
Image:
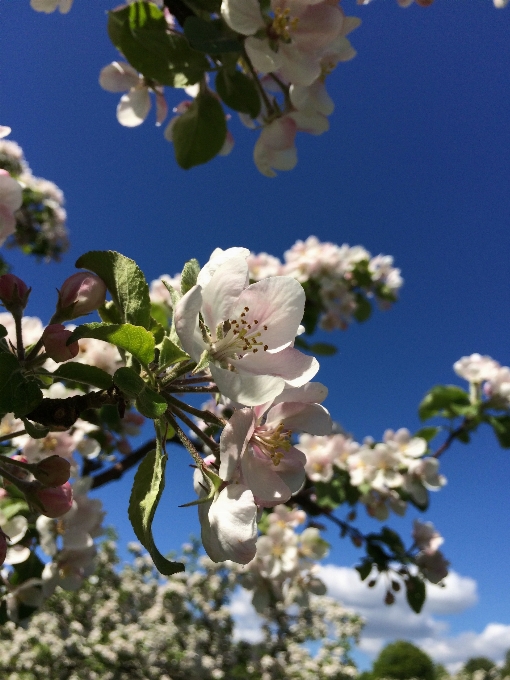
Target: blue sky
416	165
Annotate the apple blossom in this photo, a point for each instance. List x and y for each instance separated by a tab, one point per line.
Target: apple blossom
55	339
55	501
49	6
228	521
247	331
52	471
134	106
13	293
80	294
255	443
11	199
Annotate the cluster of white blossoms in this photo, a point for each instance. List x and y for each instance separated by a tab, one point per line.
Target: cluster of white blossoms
31	208
330	271
180	628
485	373
430	559
380	471
285	566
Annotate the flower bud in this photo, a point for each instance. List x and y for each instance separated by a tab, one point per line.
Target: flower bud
54	339
52	471
55	501
80	294
13	293
3	547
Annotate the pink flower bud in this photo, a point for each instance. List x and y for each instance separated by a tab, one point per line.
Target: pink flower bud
54	339
55	501
80	294
13	293
3	547
52	471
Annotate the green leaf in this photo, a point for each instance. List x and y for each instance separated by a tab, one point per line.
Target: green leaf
323	349
125	281
157	331
392	540
439	399
363	309
27	395
36	431
110	313
189	275
415	593
238	91
128	381
200	132
210	36
501	425
150	403
140	31
84	374
170	354
134	339
148	486
364	569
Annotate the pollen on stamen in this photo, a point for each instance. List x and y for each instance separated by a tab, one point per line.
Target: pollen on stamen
266	347
246	309
264	327
255	321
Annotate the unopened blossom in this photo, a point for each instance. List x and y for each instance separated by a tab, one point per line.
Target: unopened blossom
247	330
134	106
255	444
11	199
55	501
49	6
55	338
476	368
80	294
14	293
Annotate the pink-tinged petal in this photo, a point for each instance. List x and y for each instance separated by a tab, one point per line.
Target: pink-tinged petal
11	194
298	67
118	77
228	145
4	131
292	474
161	108
218	257
186	321
261	476
312	98
311	393
243	16
263	58
221	294
134	107
232	533
290	364
234	439
248	390
311	418
317	27
278	303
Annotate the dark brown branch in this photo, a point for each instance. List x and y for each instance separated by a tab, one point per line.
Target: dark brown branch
463	427
116	471
61	414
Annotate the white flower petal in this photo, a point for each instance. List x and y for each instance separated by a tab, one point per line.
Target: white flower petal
118	77
134	107
243	16
248	390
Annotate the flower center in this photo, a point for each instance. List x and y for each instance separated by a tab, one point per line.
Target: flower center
282	24
237	337
274	442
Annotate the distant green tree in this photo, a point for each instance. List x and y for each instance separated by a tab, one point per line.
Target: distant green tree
505	670
402	660
478	663
440	672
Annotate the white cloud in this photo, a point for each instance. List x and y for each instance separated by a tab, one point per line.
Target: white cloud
386	623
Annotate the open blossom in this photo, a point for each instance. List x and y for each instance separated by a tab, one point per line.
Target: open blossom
476	368
275	148
134	106
430	559
228	522
291	40
247	330
255	445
